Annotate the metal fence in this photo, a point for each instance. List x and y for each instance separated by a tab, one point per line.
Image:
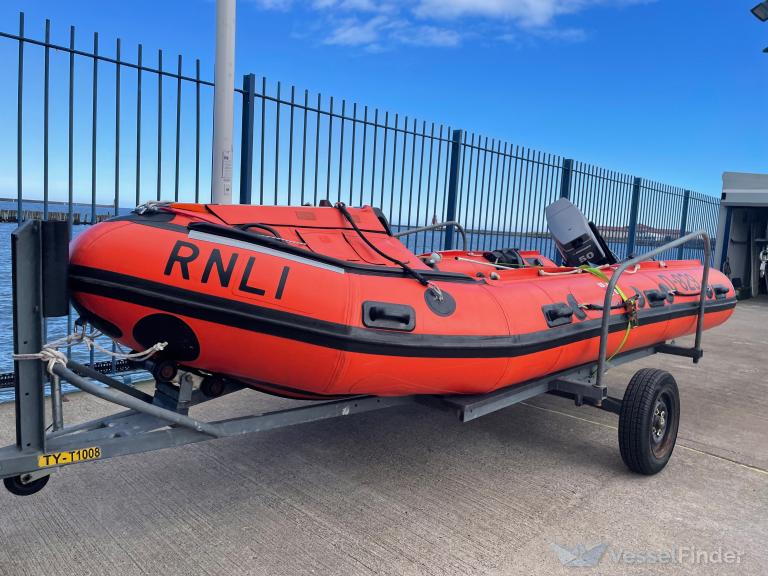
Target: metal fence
103	128
306	148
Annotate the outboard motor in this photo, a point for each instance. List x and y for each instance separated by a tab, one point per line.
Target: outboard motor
577	239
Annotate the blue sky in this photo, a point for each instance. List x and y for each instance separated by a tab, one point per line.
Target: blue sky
671	90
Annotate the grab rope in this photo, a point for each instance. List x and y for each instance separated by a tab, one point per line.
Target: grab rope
582	269
51	355
341	207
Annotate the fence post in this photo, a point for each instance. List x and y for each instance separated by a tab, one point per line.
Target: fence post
565	192
453	187
683	221
635	204
565	178
246	144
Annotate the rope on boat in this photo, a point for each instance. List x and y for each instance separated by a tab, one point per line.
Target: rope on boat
579	270
341	207
51	355
502	266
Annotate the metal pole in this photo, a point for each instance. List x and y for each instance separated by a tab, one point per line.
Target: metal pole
565	192
683	221
453	187
223	103
26	247
565	179
633	209
246	144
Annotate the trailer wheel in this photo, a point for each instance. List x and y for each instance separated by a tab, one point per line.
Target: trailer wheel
648	421
19	488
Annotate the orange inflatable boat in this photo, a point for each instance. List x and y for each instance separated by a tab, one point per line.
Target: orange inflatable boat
311	302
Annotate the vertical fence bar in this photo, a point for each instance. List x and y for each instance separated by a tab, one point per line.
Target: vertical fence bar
373	156
453	186
138	125
330	151
402	174
317	146
277	141
46	89
481	148
409	222
465	167
94	126
683	221
159	122
394	168
19	116
117	127
384	157
633	208
427	219
261	151
352	156
365	143
290	142
304	146
71	130
566	172
246	140
178	131
421	182
565	178
437	182
197	131
341	148
71	152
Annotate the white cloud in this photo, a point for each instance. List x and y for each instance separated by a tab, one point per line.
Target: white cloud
354	32
529	13
274	4
427	36
377	24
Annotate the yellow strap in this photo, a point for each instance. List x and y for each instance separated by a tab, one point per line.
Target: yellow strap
600	274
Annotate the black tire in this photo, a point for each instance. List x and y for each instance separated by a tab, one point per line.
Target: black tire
213	386
19	488
165	370
648	421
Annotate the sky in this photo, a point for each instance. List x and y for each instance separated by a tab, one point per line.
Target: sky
670	90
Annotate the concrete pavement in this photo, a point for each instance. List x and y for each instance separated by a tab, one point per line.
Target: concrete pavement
413	491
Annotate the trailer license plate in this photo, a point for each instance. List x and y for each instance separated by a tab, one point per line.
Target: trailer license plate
70	457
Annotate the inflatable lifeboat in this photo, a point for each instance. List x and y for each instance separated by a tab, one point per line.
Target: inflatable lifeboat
312	302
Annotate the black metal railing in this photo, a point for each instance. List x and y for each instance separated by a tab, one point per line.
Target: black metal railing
100	129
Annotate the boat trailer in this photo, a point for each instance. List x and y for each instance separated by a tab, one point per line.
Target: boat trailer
648	412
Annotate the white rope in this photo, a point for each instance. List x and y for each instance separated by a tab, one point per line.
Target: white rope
436	291
51	355
150	206
566	273
582	270
48	355
502	266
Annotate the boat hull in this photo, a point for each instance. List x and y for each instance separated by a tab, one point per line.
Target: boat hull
290	323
